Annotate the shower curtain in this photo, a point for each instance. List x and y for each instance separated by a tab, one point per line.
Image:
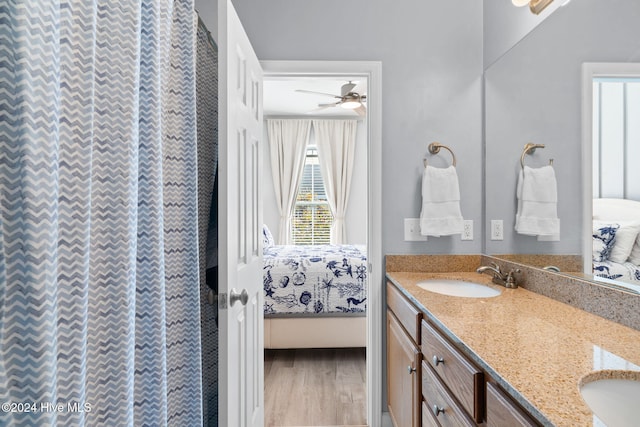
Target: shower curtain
207	119
99	296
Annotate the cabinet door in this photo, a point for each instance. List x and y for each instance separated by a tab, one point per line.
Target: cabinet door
403	375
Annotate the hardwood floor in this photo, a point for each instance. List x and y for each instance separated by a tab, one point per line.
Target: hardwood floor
315	387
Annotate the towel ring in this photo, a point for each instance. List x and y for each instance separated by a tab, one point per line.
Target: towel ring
434	148
530	148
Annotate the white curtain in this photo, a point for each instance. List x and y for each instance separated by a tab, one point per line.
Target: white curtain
287	145
336	141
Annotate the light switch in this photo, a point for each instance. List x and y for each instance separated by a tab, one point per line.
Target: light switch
412	230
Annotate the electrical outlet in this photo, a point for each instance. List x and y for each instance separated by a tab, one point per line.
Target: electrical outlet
412	230
497	229
467	230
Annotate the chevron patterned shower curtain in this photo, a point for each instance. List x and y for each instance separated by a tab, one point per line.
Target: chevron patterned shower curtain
99	295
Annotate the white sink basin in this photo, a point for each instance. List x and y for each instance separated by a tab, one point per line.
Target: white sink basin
458	288
613	397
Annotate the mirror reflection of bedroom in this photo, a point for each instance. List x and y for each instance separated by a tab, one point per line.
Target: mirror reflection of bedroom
315	251
616	180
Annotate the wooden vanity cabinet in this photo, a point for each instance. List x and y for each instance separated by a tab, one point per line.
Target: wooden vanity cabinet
403	360
430	383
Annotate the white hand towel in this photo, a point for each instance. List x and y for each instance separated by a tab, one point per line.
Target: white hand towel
537	195
441	215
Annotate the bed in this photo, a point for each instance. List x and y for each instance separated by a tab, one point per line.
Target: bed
314	296
616	239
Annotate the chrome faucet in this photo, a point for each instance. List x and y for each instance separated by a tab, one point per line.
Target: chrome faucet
499	278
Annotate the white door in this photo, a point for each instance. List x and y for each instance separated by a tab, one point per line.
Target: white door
241	358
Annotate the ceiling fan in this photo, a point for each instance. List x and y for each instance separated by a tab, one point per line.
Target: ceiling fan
350	97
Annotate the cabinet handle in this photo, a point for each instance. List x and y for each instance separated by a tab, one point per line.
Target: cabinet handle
437	360
410	369
438	410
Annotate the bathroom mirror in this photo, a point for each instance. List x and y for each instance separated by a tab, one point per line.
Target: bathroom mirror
533	93
505	25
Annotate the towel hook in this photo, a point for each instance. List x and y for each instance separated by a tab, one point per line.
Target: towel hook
434	148
530	148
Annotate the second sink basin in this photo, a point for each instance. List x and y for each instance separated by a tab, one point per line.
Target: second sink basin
458	288
613	396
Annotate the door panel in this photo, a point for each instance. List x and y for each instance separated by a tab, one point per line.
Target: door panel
241	363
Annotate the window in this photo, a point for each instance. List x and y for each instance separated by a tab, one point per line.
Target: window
616	133
312	219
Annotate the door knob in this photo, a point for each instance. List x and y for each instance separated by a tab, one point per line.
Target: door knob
437	360
234	296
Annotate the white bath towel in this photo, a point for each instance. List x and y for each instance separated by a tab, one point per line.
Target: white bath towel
537	194
441	215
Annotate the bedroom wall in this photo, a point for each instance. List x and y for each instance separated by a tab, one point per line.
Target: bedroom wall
431	54
356	218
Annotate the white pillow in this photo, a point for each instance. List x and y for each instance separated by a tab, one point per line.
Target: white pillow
616	210
267	237
634	257
626	236
604	237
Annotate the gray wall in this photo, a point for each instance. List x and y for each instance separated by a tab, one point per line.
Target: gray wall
533	93
431	55
208	12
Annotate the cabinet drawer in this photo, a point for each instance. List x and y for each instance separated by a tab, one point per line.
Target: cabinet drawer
503	412
439	402
407	314
428	418
464	380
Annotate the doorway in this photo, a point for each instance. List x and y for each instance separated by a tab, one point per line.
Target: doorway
611	194
370	74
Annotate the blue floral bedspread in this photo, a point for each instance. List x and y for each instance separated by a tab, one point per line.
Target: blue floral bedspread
315	280
615	271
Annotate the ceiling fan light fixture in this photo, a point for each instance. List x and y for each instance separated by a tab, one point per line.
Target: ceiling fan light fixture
520	3
351	101
351	104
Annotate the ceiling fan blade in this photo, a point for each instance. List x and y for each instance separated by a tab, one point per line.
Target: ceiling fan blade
333	104
320	108
318	93
347	87
361	110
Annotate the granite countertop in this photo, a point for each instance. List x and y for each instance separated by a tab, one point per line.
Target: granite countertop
536	348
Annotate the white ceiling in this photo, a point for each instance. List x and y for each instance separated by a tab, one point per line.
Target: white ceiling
281	99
